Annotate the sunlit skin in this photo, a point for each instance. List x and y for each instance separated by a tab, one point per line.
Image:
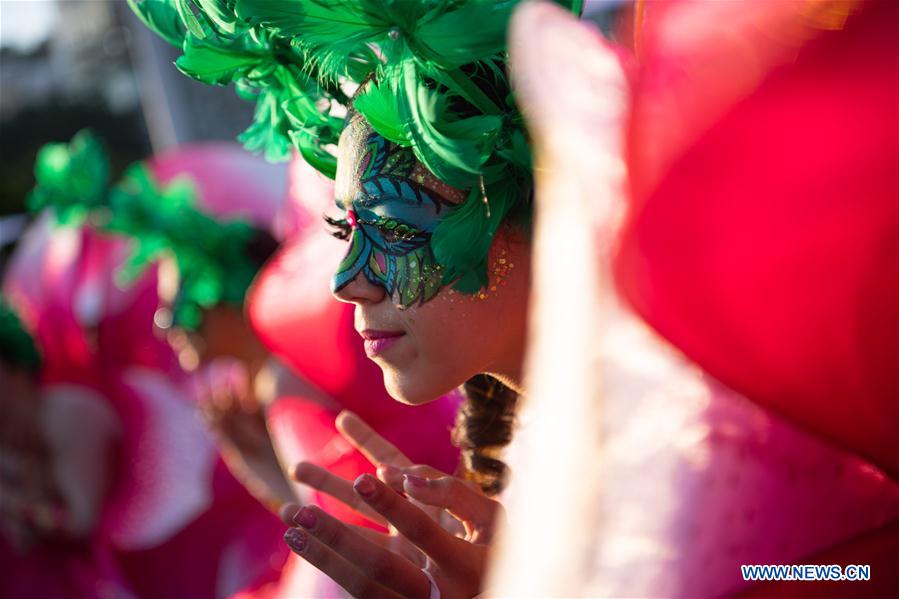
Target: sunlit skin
432	345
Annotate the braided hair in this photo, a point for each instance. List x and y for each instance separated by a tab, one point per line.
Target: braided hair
484	426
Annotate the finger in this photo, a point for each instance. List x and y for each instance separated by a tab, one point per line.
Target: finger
375	561
453	495
336	567
392	476
373	446
286	513
413	523
340	489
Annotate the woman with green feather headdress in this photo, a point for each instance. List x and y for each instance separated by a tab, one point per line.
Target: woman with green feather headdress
187	208
407	104
203	215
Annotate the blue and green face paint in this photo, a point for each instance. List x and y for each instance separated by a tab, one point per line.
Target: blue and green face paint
393	205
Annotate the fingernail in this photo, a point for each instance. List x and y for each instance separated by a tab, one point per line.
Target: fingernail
416	481
305	518
295	539
364	487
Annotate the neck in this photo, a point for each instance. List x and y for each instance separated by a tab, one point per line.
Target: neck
510	371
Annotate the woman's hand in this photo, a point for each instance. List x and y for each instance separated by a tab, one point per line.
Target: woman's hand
442	525
238	423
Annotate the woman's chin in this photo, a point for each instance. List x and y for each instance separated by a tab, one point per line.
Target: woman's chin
405	391
412	390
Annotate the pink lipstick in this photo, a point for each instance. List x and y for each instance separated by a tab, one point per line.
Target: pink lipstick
377	342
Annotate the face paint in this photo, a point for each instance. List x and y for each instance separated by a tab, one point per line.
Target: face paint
393	205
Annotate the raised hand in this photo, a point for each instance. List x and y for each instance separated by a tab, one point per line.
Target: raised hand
238	424
439	525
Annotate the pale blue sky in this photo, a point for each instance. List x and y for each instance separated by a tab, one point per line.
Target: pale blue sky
26	23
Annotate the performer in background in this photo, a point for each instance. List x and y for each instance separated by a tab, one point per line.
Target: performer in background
168	495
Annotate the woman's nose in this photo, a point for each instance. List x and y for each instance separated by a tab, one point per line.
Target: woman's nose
359	290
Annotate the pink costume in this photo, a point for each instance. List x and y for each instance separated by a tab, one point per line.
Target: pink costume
778	191
175	523
295	315
761	242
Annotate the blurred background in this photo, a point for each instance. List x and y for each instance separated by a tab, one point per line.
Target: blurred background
70	64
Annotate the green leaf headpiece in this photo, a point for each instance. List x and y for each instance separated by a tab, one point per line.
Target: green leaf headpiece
211	255
17	347
435	81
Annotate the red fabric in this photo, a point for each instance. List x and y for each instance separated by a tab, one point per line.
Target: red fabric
763	242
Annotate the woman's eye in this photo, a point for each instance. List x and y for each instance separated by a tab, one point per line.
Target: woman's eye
339	228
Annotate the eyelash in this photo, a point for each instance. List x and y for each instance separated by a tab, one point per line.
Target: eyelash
339	228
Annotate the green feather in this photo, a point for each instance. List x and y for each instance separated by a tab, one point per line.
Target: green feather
72	178
162	17
190	19
378	104
477	29
220	14
317	157
17	347
269	132
453	150
217	65
462	239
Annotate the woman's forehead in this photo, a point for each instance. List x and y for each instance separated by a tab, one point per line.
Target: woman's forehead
364	157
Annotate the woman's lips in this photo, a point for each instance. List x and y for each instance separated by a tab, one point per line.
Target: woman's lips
377	342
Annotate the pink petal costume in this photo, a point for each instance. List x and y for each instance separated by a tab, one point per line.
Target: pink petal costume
229	183
760	241
295	315
176	523
796	268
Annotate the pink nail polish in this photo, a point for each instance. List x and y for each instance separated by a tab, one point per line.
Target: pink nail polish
306	518
295	539
416	481
364	487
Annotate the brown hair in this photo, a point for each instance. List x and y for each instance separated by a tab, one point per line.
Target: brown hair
484	426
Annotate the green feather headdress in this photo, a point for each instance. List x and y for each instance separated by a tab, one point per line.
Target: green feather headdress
17	347
211	256
435	82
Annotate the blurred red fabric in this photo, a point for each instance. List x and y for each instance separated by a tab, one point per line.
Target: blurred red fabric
763	234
